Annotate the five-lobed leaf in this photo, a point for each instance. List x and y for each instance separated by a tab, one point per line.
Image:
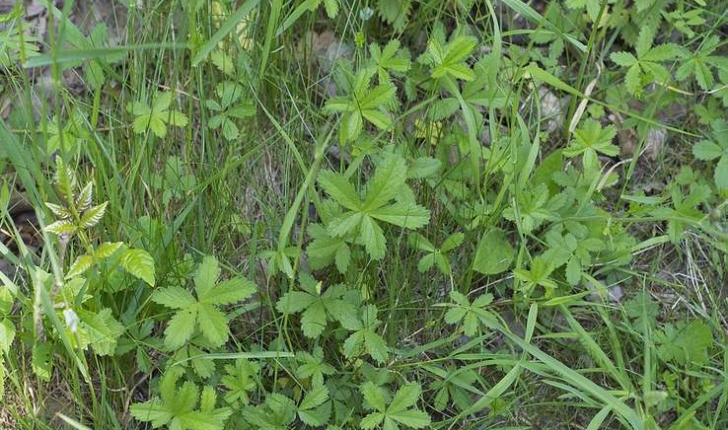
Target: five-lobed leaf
400	411
361	218
202	311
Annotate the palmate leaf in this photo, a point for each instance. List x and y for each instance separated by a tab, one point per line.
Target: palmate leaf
363	103
181	327
202	311
177	407
365	339
313	366
395	12
389	177
469	315
239	380
386	60
450	60
717	148
156	117
278	412
317	310
361	219
401	409
314	409
685	344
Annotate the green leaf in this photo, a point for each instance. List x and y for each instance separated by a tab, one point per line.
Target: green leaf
92	216
386	60
231	291
7	335
403	215
412	418
707	150
139	263
663	52
375	346
81	265
106	250
162	102
332	8
319	309
405	398
174	297
153	411
103	330
373	238
61	227
633	79
177	119
469	315
365	339
450	60
685	344
395	12
223	62
180	328
207	273
388	179
294	302
494	254
176	408
313	409
314	366
339	188
624	59
213	324
400	410
374	395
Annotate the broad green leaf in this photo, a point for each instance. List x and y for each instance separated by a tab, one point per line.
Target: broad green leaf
207	273
373	238
180	328
389	177
79	266
375	346
314	398
153	411
174	297
231	291
412	418
103	330
624	59
707	150
405	398
340	189
294	302
495	253
139	263
721	173
7	335
213	324
92	216
107	249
